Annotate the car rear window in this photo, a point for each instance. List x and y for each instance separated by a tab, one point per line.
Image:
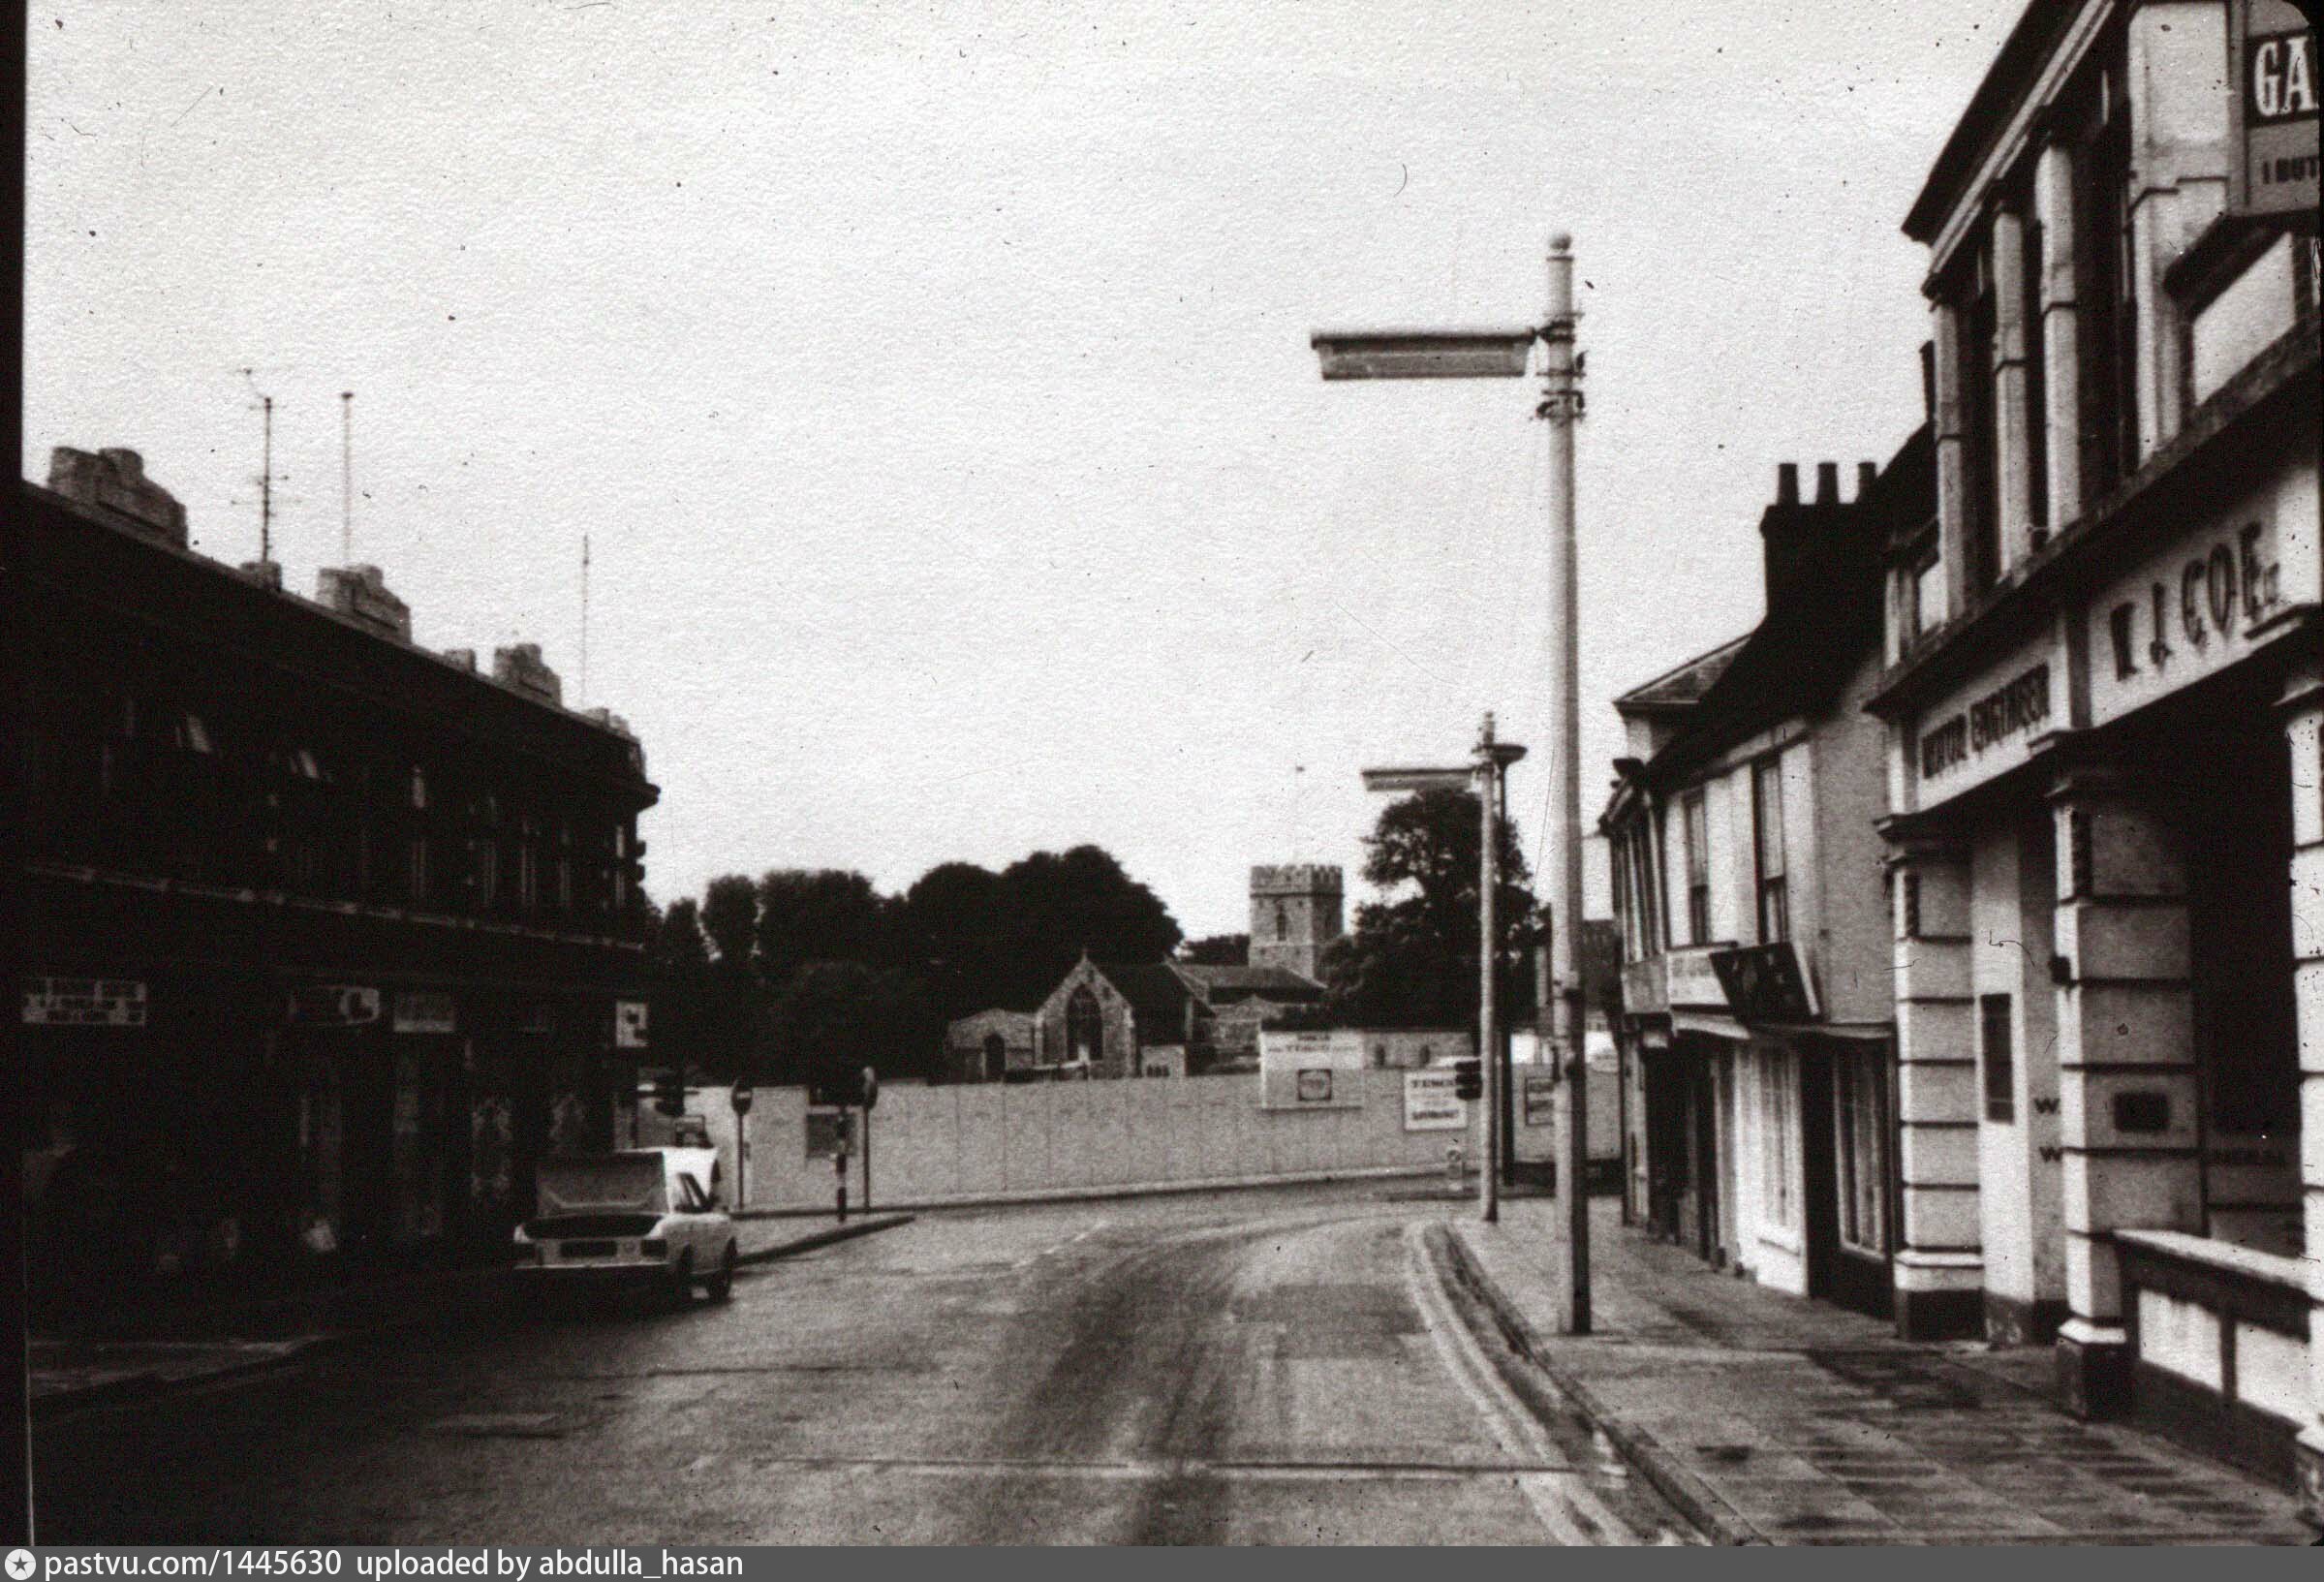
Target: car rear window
596	1186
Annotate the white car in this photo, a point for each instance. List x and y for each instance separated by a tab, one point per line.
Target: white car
644	1217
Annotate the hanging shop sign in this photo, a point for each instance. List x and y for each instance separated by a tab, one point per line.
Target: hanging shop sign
84	1001
629	1024
2272	51
425	1010
333	1005
1766	982
2189	611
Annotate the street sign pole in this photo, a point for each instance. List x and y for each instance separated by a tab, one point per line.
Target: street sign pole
1488	1043
1485	354
1561	406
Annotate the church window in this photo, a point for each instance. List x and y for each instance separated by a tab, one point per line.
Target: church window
1283	921
1085	1026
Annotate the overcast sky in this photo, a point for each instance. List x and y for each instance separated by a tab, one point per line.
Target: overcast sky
933	380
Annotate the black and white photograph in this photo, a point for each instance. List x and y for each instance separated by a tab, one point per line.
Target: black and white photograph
955	773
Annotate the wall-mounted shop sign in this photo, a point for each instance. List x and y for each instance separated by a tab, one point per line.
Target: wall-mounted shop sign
1691	979
2272	51
84	1001
2187	612
629	1024
425	1010
1643	990
1989	725
1766	982
333	1005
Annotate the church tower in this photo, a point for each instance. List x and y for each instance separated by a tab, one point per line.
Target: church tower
1294	913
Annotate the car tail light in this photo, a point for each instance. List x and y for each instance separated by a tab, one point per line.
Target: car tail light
653	1247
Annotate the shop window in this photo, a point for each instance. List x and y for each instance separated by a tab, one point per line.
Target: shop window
1698	868
1860	1108
1997	1057
1778	1121
1767	819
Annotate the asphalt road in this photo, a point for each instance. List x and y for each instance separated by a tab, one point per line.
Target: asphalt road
1274	1367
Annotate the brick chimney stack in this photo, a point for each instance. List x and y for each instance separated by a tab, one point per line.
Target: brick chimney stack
113	485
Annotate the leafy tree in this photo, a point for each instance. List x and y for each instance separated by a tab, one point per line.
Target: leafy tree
1217	951
1413	958
948	930
1054	905
729	919
840	1016
823	914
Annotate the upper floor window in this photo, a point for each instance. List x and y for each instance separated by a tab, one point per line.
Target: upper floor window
2106	291
1697	824
1767	822
1979	329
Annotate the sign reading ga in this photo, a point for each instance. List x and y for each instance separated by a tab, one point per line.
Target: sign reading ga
2274	109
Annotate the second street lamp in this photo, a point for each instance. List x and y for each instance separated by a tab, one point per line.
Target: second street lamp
1487	774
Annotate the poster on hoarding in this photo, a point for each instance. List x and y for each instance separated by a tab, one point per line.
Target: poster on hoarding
1431	1103
1310	1070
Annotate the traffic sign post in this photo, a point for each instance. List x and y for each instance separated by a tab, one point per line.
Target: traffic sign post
741	1100
870	1091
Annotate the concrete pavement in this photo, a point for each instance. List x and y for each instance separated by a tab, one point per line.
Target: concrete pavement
1771	1418
1278	1367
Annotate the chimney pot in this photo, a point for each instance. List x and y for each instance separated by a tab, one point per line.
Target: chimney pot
1787	483
1868	473
1827	482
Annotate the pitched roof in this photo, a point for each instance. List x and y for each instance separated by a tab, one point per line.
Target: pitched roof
1680	687
1157	995
1226	983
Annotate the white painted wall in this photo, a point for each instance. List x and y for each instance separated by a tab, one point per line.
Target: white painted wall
964	1140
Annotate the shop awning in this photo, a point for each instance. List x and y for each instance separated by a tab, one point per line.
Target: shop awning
1853	1031
1709	1022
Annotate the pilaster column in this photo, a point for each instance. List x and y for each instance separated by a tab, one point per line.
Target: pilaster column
2061	361
2013	414
1939	1267
1952	459
2126	1079
2303	722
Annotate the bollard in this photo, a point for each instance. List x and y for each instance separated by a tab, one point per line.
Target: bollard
1456	1163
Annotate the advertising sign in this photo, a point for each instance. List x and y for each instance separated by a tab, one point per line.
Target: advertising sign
424	1010
1310	1070
334	1005
1430	1104
1540	1092
2273	51
1765	984
629	1024
84	1001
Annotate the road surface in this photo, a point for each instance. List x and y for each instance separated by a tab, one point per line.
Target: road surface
1269	1367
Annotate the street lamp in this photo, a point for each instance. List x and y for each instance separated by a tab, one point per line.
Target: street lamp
1502	353
1488	773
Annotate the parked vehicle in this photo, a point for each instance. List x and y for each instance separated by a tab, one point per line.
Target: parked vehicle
644	1217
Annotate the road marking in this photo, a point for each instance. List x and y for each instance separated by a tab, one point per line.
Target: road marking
1563	1503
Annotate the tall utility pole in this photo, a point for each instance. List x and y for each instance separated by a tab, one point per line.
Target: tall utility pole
1488	1021
267	482
1560	407
347	478
1489	354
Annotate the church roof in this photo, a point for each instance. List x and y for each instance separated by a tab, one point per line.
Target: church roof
1229	983
1155	993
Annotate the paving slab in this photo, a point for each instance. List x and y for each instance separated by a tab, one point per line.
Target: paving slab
1773	1418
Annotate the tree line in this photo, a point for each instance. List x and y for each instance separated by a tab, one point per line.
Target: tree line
799	970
